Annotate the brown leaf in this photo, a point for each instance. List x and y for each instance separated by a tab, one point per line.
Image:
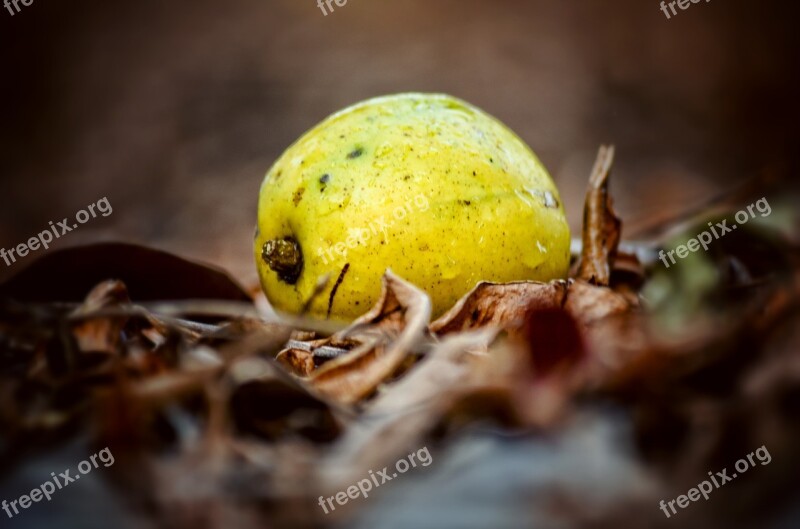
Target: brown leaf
67	275
601	226
410	407
272	408
588	303
398	322
505	305
499	305
553	340
297	361
101	333
444	368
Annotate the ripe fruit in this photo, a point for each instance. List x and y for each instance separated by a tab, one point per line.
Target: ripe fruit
425	184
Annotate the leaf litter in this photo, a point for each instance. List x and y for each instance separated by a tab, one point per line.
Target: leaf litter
221	415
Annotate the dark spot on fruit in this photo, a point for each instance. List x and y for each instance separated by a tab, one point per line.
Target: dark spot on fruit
339	280
407	177
491	160
474	173
298	195
324	178
355	153
465	202
284	257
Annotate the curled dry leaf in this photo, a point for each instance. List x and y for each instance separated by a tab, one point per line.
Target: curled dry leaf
588	303
499	305
601	226
101	333
297	361
397	323
505	305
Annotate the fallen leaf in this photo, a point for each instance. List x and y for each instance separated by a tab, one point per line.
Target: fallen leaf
67	275
398	322
553	339
499	305
297	361
101	333
601	226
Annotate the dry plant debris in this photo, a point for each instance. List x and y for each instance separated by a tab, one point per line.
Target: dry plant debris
219	416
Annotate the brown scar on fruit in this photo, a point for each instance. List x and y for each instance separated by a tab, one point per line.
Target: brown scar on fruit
298	195
339	280
284	257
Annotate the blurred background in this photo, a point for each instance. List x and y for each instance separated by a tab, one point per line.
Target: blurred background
175	110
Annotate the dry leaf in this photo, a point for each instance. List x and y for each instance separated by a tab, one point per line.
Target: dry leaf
499	305
297	361
67	275
601	226
588	303
401	317
101	333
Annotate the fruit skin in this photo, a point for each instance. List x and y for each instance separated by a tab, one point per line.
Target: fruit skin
425	184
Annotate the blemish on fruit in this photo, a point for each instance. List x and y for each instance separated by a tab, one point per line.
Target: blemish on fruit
355	153
339	280
284	257
298	195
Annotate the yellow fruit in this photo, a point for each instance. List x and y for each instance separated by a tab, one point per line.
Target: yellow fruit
425	184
